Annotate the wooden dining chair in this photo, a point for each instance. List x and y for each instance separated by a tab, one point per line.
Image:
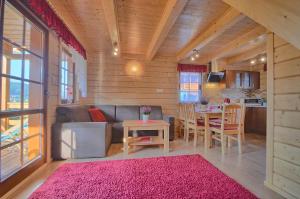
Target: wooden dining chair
182	119
230	126
195	125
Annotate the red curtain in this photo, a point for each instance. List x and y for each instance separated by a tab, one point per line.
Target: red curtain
42	9
192	68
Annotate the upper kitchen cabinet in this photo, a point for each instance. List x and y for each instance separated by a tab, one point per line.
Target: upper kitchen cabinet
242	79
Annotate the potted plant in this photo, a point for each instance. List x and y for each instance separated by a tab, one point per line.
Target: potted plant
146	110
203	103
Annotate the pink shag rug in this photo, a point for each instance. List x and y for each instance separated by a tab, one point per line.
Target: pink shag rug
187	176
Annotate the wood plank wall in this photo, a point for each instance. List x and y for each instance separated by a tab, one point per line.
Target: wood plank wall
285	156
131	80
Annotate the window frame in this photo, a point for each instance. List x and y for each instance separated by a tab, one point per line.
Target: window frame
63	49
200	87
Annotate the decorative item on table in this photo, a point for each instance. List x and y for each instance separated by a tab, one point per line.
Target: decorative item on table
146	110
203	104
227	101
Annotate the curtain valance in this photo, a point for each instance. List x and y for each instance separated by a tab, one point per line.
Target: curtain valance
43	10
191	68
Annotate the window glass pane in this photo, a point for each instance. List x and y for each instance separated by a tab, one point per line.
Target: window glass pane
11	94
184	77
33	68
12	60
33	95
189	96
70	93
66	79
10	130
13	25
32	125
246	80
31	148
190	87
33	38
194	77
194	86
10	160
70	79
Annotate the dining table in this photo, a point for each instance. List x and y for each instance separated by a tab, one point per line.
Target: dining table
206	115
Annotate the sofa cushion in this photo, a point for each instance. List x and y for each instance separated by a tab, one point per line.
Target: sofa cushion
127	113
109	112
96	115
156	113
72	114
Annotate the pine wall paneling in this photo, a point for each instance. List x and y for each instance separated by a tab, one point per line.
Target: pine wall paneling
283	157
131	80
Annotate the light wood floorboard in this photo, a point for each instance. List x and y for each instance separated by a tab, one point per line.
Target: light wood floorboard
247	169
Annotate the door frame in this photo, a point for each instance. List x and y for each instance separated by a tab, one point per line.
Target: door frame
16	178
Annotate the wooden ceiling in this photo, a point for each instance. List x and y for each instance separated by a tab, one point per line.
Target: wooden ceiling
196	16
137	23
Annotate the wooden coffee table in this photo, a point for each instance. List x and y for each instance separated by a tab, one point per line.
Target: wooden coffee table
135	125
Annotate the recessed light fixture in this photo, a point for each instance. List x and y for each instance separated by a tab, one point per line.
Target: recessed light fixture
253	61
115	49
192	58
263	59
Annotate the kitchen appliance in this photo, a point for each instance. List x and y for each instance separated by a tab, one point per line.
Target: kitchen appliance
215	77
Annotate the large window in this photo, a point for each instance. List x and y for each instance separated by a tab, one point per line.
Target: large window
190	87
67	78
21	89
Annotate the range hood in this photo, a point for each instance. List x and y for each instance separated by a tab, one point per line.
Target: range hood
214	77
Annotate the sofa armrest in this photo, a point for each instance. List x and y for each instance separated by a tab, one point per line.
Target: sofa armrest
171	121
82	140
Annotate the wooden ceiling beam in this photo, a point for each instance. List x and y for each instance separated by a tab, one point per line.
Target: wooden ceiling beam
244	40
110	15
227	20
281	17
172	10
246	55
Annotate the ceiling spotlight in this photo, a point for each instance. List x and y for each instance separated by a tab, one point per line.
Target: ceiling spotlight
263	59
192	58
116	49
197	55
115	53
253	61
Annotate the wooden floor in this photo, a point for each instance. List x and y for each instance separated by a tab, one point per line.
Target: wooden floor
248	168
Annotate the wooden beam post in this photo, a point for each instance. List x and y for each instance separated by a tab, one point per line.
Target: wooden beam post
227	20
172	10
281	17
110	15
270	110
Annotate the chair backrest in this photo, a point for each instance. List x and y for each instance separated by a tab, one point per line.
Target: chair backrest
190	113
182	111
233	114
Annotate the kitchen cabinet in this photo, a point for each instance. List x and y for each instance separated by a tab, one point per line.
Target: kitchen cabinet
242	79
256	120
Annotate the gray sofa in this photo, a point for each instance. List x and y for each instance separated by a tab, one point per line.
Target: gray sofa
74	135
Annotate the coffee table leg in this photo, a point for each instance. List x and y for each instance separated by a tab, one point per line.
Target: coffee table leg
166	139
125	140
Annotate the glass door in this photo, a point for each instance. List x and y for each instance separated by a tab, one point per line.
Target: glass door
21	89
